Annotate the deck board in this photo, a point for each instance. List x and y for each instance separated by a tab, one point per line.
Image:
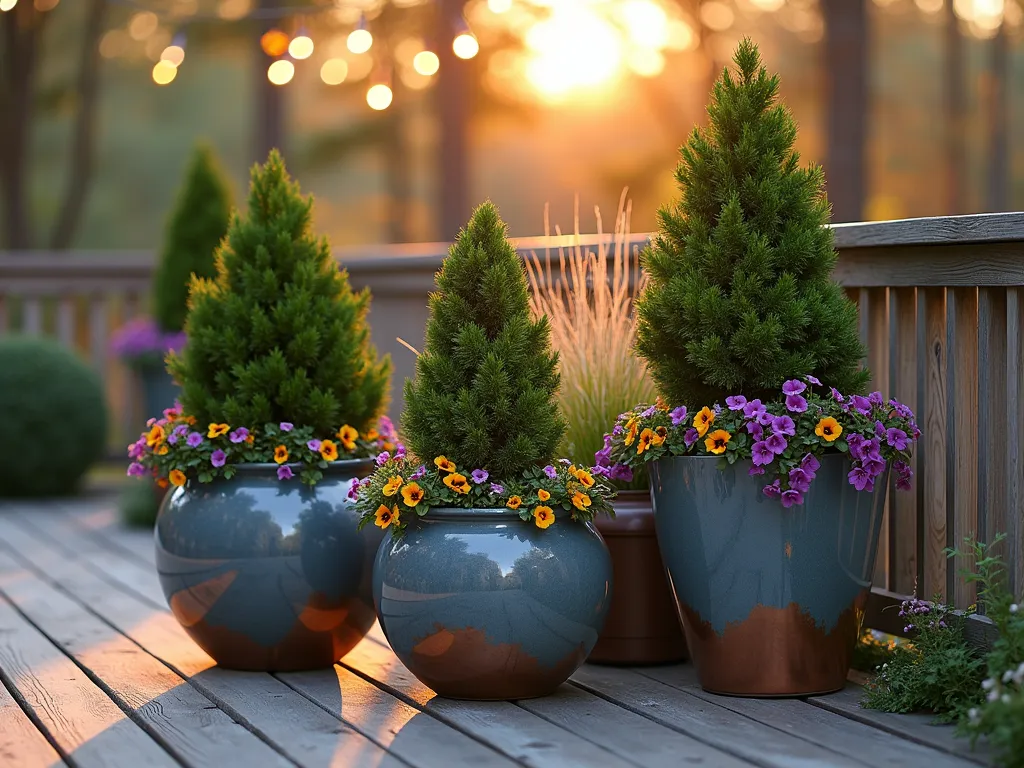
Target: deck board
101	671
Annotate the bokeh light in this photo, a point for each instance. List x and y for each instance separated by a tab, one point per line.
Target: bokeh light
173	55
232	10
573	48
499	6
281	72
359	40
142	25
274	42
379	96
164	72
301	47
334	71
6	5
465	46
426	63
45	5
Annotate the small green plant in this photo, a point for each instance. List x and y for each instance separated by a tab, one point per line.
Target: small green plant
939	673
195	229
872	651
1000	716
54	418
589	303
741	297
279	335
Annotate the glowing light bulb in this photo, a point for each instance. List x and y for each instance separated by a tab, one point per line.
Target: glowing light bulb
334	71
274	42
499	6
379	97
301	47
164	72
426	63
465	46
359	40
6	5
281	72
173	54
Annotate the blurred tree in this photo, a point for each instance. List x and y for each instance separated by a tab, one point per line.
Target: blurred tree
22	31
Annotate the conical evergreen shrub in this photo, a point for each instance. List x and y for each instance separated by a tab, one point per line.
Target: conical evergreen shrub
741	297
485	386
195	229
279	335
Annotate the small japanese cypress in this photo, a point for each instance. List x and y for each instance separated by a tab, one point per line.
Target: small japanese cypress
279	335
196	227
741	297
485	388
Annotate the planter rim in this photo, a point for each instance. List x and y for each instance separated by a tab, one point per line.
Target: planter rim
826	455
463	513
334	467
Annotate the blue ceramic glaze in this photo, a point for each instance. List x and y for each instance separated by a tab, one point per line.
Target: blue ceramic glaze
479	604
753	578
158	389
266	574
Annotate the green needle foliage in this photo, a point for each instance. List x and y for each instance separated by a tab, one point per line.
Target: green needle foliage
740	297
279	335
196	227
485	388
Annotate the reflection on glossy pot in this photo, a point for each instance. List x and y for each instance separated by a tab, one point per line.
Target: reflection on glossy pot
481	605
771	599
266	574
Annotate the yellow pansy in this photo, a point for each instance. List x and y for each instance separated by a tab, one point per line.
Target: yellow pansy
703	420
412	494
717	440
155	436
386	517
543	495
216	430
581	500
442	463
177	477
457	483
514	502
348	436
328	450
829	429
280	454
392	485
543	516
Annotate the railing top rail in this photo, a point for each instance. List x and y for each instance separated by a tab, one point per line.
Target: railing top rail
937	230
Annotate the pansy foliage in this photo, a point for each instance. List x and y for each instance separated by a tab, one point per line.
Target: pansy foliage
783	439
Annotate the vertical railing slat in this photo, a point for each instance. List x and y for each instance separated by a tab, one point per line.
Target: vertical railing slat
32	316
66	321
877	313
932	464
962	440
903	386
1013	497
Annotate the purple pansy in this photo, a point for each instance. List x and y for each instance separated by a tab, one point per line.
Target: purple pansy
765	419
194	439
421	471
876	398
497	489
799	480
761	454
776	443
860	479
353	487
313	445
856	443
173	438
736	402
753	409
286	426
772	491
284	472
382	458
783	425
400	451
179	430
756	430
136	470
479	476
810	463
792	498
603	457
879	429
550	471
860	404
690	437
796	403
387	427
793	387
874	467
812	380
755	471
621	472
649	412
678	415
836	395
218	457
617	430
239	435
896	438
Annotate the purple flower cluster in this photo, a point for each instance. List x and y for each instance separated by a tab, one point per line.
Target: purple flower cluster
142	337
603	460
914	608
799	477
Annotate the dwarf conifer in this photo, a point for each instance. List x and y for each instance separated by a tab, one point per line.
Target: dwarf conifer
279	335
485	386
196	227
741	297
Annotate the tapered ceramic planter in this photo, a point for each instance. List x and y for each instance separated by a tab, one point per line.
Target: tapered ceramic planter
479	604
771	599
642	626
158	388
267	574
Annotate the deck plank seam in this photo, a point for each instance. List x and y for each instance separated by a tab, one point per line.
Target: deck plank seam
30	713
96	679
105	541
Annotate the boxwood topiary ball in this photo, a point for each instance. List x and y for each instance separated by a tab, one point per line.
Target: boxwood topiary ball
53	418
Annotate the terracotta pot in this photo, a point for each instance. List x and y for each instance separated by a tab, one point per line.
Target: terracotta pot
642	625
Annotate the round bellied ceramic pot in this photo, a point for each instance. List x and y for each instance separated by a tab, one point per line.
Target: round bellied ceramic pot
642	625
267	574
479	604
771	599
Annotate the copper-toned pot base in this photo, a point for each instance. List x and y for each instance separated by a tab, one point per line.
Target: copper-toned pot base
774	653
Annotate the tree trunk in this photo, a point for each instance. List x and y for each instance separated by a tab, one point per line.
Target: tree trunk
846	70
269	120
83	147
953	80
452	92
22	27
998	111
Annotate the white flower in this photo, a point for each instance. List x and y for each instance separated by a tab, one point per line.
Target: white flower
989	684
1014	608
973	713
993	695
1008	675
1006	698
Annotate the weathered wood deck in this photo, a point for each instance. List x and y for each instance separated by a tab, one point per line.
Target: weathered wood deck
96	672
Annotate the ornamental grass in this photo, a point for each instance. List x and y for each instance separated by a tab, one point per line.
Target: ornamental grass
589	304
482	419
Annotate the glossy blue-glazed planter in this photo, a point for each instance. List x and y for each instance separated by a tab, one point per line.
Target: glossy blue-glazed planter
158	389
771	599
266	574
479	604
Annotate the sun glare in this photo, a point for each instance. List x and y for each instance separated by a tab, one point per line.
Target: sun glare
573	49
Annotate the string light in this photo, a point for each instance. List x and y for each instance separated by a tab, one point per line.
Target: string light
281	72
426	63
379	97
7	5
301	46
164	72
359	40
499	6
465	46
174	53
274	42
334	71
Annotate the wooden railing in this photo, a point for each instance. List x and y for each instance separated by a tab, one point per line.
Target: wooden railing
941	305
